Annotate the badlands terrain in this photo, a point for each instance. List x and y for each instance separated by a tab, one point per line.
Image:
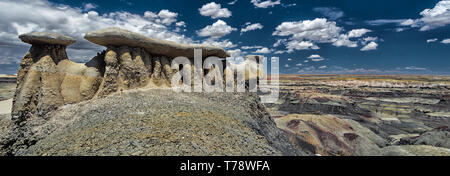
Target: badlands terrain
365	114
327	115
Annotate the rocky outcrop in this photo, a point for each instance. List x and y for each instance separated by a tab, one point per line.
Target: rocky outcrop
162	122
413	150
48	82
439	137
120	37
47	79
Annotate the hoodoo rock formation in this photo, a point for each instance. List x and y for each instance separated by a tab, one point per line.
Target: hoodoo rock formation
102	97
47	79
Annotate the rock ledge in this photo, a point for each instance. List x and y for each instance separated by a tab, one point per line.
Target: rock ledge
119	37
46	38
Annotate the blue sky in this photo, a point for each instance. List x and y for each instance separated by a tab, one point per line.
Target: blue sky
309	36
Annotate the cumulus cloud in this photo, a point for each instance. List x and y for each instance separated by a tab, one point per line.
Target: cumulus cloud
216	30
90	6
214	11
358	33
316	58
264	50
432	40
304	34
251	27
21	16
265	4
224	43
330	13
446	41
370	46
300	45
323	67
433	18
167	17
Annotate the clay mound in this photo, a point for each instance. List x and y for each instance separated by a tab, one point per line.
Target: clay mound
46	38
160	122
329	135
120	37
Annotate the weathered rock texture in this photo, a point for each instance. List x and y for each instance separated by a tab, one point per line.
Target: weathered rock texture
120	37
48	82
47	79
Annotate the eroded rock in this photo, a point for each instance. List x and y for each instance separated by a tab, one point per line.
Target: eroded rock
120	37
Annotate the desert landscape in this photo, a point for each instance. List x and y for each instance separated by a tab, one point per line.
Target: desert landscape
321	115
360	114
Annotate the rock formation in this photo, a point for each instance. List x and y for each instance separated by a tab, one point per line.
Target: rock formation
47	79
50	87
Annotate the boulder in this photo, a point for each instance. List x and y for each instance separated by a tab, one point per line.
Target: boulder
121	37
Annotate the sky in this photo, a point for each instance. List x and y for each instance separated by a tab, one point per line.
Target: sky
308	36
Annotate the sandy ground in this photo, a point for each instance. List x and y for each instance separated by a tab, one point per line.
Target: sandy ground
5	106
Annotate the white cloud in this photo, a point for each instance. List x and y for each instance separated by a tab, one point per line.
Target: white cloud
164	16
89	6
279	42
286	65
323	67
330	13
358	32
446	41
264	50
299	64
316	58
251	27
251	47
368	39
370	46
436	17
265	4
304	34
45	16
414	68
224	43
214	11
216	30
379	22
180	24
167	17
279	52
300	45
432	40
232	2
289	59
236	53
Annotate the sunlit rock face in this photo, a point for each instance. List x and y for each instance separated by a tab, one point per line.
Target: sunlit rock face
47	79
